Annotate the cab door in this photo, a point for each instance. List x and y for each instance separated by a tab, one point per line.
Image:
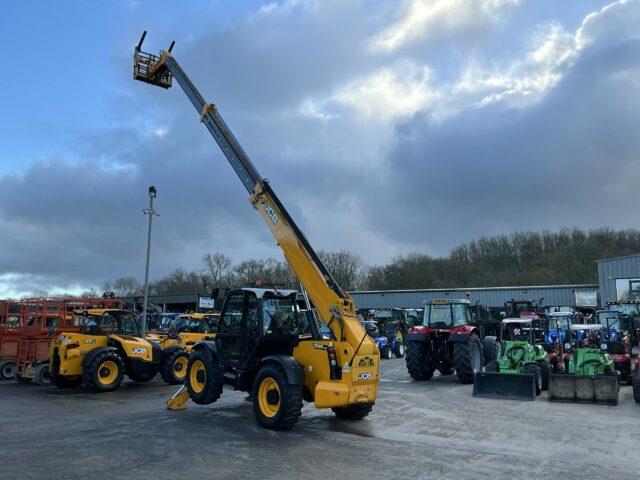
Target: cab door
229	334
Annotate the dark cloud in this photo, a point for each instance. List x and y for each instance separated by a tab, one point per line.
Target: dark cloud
376	186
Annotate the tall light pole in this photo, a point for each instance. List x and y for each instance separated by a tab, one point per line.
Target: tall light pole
151	212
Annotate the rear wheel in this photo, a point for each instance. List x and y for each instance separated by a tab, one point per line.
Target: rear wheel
42	375
277	404
104	373
174	366
534	369
467	359
417	363
353	412
8	370
203	378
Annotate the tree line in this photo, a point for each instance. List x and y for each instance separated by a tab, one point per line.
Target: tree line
521	258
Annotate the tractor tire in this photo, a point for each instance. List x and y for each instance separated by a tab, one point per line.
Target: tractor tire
204	378
353	412
544	373
399	350
66	382
42	375
492	367
534	369
636	386
104	373
277	404
489	349
386	353
174	366
467	359
8	370
417	363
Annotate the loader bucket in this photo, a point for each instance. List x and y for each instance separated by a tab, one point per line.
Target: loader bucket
505	385
601	389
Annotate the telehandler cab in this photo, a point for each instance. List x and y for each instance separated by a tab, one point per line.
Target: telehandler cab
339	371
591	376
521	369
107	347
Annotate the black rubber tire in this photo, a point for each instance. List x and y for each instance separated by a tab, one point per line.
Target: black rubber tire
353	412
290	399
213	378
489	349
417	363
8	370
636	386
42	376
462	359
534	369
400	350
66	382
386	354
166	369
544	373
90	372
492	367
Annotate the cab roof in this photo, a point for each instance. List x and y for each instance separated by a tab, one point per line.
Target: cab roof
586	326
445	301
518	320
100	311
260	292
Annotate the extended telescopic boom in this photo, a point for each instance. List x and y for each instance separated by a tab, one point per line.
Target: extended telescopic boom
335	307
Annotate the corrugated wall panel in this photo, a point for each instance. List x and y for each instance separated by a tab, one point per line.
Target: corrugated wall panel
561	295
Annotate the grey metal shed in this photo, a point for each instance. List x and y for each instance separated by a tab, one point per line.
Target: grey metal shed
619	278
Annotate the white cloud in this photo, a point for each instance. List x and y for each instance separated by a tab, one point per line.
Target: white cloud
423	17
160	131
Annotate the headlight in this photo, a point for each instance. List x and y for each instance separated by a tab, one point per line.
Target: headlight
567	346
603	346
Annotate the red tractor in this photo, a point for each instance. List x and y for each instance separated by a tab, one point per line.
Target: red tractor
447	342
11	324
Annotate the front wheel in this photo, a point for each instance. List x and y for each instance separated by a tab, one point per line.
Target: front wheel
467	359
8	370
174	366
277	404
42	375
104	373
386	353
353	412
203	378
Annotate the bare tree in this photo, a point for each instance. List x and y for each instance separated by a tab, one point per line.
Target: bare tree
217	270
126	287
345	267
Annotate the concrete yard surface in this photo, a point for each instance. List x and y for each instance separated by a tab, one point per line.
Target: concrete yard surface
417	430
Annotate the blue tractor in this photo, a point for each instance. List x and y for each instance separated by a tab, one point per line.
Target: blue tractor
388	347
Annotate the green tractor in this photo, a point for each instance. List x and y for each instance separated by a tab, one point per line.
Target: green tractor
590	376
521	368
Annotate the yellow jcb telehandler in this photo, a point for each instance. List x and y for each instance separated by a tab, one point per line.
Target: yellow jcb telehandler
107	347
262	346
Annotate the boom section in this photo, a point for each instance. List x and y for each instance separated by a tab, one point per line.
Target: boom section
335	307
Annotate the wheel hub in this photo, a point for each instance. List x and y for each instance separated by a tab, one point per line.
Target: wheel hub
273	397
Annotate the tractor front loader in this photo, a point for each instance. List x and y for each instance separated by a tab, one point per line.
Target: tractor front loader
521	370
591	376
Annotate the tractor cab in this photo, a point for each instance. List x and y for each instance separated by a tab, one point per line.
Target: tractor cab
522	331
446	314
558	324
205	323
616	340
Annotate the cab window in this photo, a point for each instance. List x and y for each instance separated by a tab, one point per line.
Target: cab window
279	316
231	321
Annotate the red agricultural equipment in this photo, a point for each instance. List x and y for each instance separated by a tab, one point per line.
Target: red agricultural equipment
31	325
11	321
447	342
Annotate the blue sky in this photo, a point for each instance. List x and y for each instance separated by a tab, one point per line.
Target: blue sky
387	127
